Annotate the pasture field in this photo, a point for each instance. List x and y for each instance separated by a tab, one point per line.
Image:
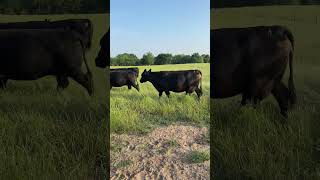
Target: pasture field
156	138
248	143
138	112
44	133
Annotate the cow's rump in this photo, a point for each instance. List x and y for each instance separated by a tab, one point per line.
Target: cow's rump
252	61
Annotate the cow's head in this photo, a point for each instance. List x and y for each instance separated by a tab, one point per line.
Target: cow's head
103	58
145	76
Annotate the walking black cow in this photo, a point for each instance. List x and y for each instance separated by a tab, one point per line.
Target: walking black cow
124	77
82	27
177	81
252	61
31	54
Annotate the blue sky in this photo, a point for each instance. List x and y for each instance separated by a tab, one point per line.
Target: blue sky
160	26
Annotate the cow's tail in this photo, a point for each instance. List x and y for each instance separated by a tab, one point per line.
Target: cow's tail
85	59
89	73
292	90
289	34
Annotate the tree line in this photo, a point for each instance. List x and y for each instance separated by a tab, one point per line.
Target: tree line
127	59
239	3
53	6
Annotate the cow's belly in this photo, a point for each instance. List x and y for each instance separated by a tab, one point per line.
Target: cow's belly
178	87
224	88
118	82
27	73
178	90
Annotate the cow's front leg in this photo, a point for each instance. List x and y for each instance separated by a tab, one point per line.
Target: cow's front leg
129	86
168	94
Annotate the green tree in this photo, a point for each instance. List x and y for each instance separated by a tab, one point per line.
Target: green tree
147	59
178	59
196	58
125	60
186	59
206	58
113	61
163	59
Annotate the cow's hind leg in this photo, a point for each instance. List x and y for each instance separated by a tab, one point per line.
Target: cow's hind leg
136	85
84	79
3	83
199	92
281	93
63	82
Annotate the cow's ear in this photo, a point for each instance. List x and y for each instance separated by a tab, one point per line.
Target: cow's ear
149	70
144	70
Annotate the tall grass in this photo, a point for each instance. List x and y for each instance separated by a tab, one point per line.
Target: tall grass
139	112
248	143
45	134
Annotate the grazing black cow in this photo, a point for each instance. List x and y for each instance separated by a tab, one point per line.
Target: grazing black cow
124	77
177	81
31	54
252	61
103	58
83	27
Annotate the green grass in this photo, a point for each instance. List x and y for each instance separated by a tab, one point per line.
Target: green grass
197	157
45	134
139	112
248	143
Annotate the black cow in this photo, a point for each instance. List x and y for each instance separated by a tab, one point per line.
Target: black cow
124	77
83	27
32	54
177	81
103	58
252	61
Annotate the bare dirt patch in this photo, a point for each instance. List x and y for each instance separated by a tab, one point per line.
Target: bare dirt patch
162	154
